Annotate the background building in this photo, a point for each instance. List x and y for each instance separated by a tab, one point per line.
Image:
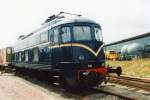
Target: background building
138	46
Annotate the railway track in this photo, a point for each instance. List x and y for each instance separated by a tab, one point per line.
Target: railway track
103	92
138	83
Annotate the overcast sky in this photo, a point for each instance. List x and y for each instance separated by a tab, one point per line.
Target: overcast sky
119	19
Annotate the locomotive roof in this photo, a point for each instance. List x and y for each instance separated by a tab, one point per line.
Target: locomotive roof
60	21
65	20
75	20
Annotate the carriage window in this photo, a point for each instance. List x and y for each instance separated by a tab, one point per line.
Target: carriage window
8	50
82	33
98	34
65	34
56	32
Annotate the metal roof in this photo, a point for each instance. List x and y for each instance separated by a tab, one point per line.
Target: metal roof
129	39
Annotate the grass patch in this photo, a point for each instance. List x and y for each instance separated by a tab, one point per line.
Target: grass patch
136	67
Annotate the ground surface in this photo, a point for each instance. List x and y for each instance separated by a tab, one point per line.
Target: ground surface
15	88
136	68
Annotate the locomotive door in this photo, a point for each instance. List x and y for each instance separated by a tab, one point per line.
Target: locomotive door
66	52
54	47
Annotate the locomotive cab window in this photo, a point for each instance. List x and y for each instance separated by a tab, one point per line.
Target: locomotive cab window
82	33
98	34
65	34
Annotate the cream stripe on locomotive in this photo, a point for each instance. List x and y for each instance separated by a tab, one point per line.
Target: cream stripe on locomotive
80	45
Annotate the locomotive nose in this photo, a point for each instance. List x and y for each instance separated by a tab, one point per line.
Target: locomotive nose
91	78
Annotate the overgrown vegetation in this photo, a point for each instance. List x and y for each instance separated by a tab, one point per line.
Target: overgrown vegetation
136	67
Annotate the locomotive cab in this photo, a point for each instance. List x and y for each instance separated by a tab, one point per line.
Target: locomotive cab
81	43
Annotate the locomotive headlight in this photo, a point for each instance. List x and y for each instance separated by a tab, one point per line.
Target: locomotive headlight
81	57
85	73
90	66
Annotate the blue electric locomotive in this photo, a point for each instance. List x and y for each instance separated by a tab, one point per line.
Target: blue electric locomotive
69	47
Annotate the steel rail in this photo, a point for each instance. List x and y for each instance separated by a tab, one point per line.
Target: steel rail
132	78
131	82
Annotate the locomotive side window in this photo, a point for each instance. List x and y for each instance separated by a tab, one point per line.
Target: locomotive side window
26	56
98	34
16	56
44	37
56	32
82	33
20	56
35	55
65	33
51	35
34	40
